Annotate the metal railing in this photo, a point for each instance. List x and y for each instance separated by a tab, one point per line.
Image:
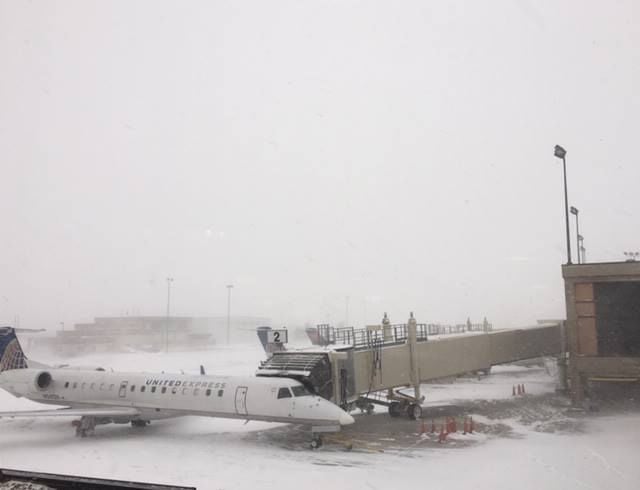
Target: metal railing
378	335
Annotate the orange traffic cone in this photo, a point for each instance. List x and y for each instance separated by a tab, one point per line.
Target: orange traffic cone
423	427
443	435
454	426
466	426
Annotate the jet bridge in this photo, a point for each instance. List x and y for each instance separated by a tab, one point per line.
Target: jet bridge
365	366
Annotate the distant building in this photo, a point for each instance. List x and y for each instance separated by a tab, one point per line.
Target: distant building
152	333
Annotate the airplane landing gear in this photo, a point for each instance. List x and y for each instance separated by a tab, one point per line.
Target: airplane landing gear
316	441
86	426
139	423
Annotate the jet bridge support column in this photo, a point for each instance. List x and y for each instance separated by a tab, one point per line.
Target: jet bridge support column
562	360
334	357
387	334
412	340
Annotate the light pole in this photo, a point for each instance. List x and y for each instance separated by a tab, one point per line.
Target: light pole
575	212
581	249
166	327
561	153
229	288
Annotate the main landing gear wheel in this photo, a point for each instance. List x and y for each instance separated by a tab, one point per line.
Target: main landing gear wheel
414	411
86	426
395	409
139	423
316	442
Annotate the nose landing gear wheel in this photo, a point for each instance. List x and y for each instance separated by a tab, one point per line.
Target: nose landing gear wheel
316	442
414	411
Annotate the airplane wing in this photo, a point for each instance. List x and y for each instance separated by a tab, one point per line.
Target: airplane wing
75	412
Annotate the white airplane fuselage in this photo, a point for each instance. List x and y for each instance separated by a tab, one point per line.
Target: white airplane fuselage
157	396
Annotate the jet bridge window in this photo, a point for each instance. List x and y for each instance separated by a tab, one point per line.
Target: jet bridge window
284	393
300	391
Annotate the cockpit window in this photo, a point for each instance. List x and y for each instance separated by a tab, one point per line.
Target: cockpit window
300	391
284	393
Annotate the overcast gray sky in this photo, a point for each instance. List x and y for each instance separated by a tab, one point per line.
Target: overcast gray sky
396	153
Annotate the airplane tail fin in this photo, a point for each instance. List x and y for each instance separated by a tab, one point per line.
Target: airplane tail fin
269	347
11	355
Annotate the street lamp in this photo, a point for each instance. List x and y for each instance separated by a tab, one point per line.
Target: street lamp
581	249
166	327
229	288
575	212
560	153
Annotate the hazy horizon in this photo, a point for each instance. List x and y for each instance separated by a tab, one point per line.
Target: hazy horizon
398	154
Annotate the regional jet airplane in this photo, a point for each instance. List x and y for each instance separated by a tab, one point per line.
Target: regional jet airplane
101	397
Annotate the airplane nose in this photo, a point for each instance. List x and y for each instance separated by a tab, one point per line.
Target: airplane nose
346	419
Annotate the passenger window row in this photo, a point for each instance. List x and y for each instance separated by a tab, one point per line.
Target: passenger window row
102	387
142	389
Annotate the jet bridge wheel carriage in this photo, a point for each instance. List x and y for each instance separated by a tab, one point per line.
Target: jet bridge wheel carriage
399	404
413	410
395	409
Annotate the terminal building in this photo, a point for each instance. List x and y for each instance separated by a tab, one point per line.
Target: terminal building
150	333
603	324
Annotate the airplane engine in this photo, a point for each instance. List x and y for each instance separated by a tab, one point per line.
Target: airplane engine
43	380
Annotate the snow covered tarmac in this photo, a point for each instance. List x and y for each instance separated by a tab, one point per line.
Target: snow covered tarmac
522	442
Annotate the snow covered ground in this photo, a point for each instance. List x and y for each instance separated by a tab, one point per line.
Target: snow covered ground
529	442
